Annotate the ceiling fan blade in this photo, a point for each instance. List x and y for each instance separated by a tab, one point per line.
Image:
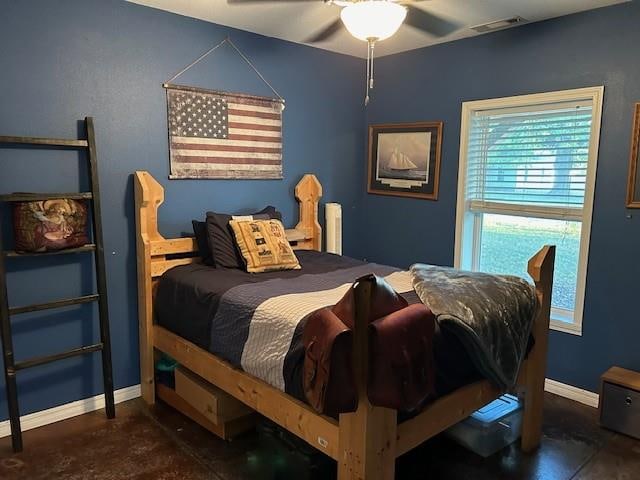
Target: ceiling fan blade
326	33
428	22
265	2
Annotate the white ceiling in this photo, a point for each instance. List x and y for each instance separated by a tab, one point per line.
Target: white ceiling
296	21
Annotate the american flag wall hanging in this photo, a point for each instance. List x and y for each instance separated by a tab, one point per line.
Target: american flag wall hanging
215	134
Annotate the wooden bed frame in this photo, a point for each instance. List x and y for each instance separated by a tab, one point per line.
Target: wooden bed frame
365	443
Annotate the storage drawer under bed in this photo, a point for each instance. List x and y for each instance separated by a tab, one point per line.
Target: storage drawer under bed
207	405
214	404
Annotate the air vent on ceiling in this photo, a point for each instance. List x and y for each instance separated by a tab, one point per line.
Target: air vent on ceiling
499	24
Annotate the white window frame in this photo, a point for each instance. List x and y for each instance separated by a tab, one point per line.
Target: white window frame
468	230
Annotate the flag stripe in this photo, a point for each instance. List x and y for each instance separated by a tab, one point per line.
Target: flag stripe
264	134
190	163
246	104
227	174
254	113
209	153
254	138
225	146
254	120
250	126
240	142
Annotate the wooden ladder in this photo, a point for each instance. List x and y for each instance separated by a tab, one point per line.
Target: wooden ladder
11	366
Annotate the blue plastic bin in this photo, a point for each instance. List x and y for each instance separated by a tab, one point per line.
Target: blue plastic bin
491	428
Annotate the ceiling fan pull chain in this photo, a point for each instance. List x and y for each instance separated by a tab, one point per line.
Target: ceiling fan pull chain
366	98
370	55
372	43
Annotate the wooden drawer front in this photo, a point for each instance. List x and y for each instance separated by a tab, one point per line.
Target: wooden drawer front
216	405
620	409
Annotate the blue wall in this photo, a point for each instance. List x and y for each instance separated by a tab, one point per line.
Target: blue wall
62	60
593	48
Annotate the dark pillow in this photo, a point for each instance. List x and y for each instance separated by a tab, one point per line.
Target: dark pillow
271	211
221	241
200	232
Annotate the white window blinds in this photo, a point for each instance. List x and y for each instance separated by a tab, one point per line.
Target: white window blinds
530	158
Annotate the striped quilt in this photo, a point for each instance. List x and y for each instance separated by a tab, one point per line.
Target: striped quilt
258	326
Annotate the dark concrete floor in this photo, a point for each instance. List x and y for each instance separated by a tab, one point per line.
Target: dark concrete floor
161	444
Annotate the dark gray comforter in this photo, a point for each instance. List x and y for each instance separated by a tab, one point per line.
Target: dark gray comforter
491	315
214	308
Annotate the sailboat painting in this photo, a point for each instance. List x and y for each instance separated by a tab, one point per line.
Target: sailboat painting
404	159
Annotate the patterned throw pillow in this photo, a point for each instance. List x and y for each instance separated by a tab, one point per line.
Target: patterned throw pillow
222	248
48	225
264	245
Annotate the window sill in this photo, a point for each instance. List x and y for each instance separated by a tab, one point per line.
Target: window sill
565	327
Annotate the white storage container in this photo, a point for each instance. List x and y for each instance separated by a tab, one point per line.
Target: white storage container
491	428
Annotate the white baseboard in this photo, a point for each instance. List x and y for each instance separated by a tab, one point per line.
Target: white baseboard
73	409
573	393
68	410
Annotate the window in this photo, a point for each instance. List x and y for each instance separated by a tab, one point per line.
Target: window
526	178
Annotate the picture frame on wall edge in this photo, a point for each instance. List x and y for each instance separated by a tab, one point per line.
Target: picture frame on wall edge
404	159
633	185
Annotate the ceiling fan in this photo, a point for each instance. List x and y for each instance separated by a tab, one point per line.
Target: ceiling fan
372	21
415	17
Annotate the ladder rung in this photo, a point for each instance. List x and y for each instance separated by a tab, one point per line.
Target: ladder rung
90	247
35	197
57	304
57	356
53	142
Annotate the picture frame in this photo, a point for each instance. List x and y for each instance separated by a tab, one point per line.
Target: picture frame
404	159
633	185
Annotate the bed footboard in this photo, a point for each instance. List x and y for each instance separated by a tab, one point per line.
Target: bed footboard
370	439
367	437
533	370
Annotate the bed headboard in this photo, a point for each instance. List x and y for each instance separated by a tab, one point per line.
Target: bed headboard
157	254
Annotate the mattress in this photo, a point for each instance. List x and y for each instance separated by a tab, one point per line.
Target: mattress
192	302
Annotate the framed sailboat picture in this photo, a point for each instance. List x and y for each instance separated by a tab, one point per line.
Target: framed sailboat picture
404	159
633	185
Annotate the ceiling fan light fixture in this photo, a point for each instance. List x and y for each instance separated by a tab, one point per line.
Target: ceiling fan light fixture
373	20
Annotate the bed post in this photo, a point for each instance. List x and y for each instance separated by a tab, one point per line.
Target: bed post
541	270
149	194
367	437
308	192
